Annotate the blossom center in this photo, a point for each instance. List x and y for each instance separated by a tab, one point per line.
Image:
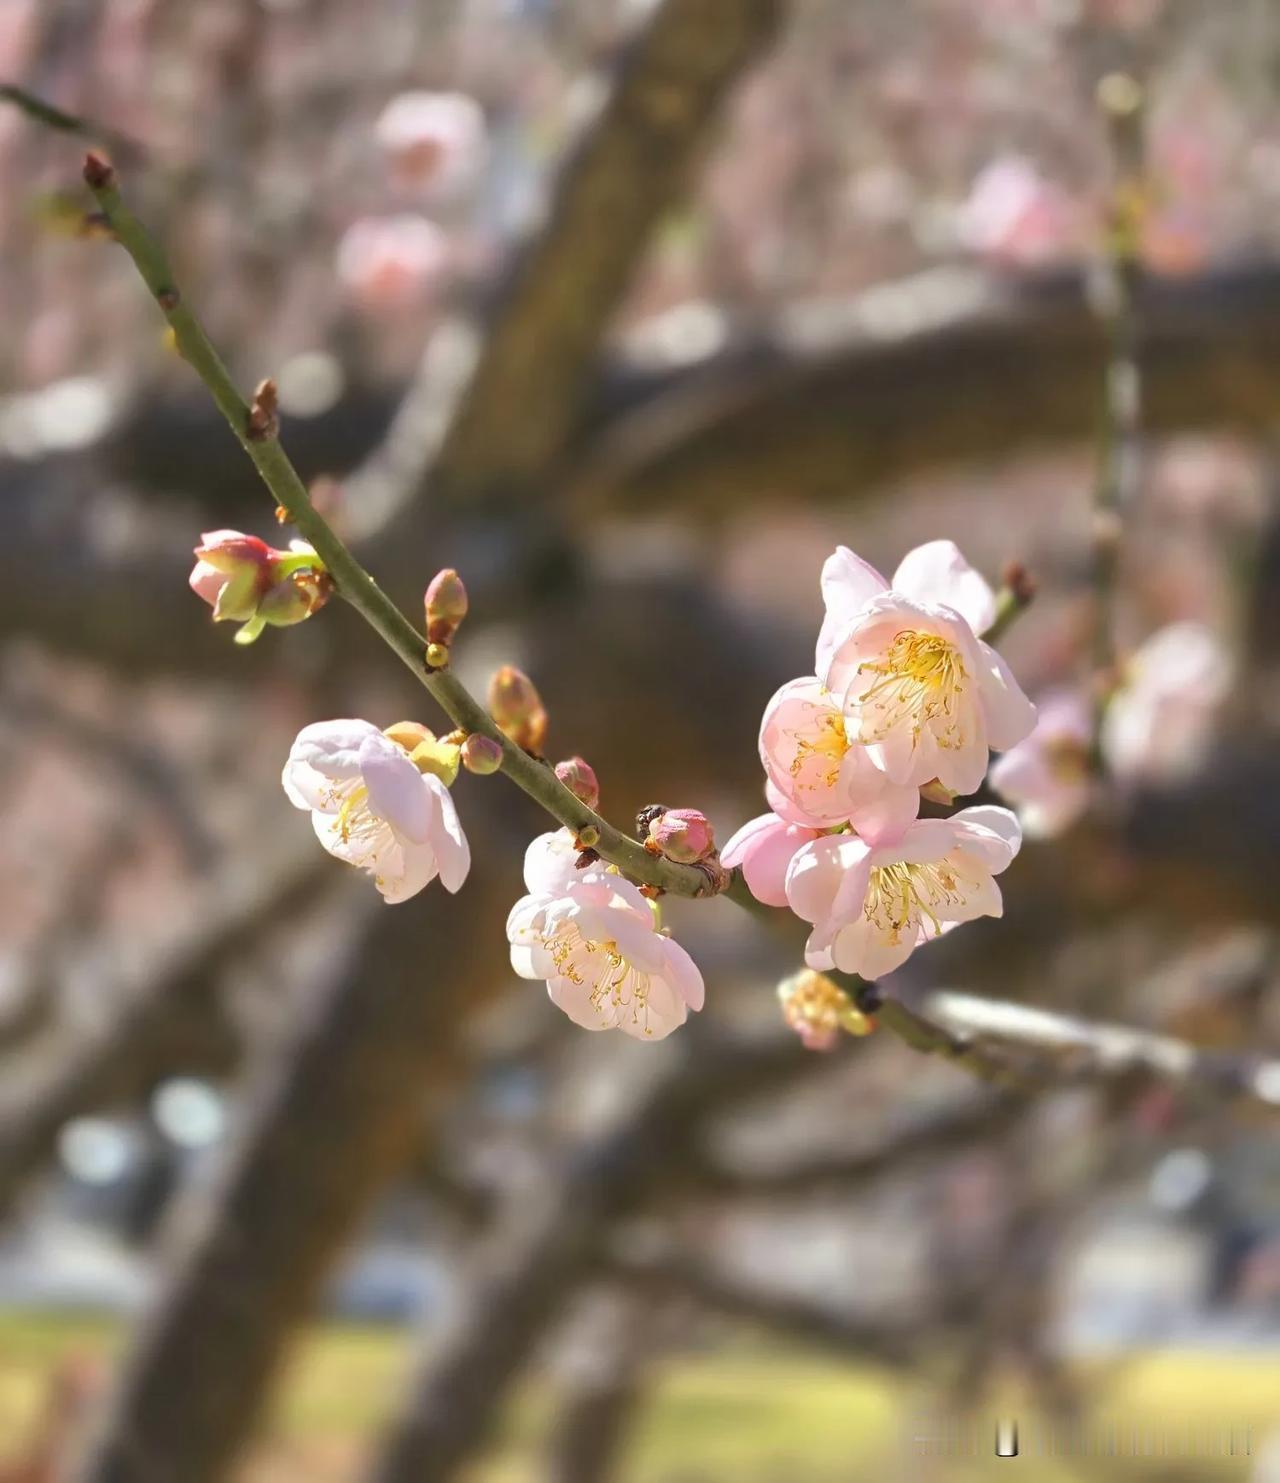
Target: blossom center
826	745
919	678
614	983
901	896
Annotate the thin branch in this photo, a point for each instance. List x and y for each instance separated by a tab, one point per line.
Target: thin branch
352	581
126	150
1119	463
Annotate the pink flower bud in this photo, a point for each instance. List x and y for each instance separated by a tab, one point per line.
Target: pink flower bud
393	264
432	139
516	706
681	834
248	582
481	754
580	779
446	605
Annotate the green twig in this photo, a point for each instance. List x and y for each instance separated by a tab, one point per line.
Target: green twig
355	584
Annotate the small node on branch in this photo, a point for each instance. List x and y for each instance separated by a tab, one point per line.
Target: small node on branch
168	299
97	225
263	422
99	173
1020	582
437	657
588	838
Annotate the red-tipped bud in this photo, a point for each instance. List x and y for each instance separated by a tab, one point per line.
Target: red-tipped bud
681	834
481	754
446	605
514	703
248	582
580	779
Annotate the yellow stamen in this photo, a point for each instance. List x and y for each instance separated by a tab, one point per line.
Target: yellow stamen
899	896
921	679
828	744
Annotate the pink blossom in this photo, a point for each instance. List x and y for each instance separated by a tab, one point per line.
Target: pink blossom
434	139
248	582
820	770
870	908
921	691
392	263
1015	216
1159	723
1046	776
765	847
371	806
595	940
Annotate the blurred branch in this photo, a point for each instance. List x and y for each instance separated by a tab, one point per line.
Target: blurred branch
334	1111
979	1034
813	1323
551	313
155	1020
1119	455
527	1272
126	150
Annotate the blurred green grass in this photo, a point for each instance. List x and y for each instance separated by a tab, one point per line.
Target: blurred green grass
746	1413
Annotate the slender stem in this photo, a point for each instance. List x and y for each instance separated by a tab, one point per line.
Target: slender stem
52	117
1120	98
354	583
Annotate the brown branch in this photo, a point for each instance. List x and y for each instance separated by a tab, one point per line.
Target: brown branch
169	1015
336	1109
840	398
552	311
527	1272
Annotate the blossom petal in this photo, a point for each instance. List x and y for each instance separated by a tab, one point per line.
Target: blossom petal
765	848
937	572
1010	715
453	852
397	790
989	832
550	863
683	974
332	747
847	583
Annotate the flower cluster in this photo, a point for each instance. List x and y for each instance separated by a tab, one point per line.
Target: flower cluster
906	695
597	942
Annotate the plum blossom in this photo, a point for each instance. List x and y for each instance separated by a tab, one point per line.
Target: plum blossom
392	263
765	847
821	773
921	691
432	139
818	1009
1014	216
595	940
379	805
248	582
871	907
1158	724
1047	776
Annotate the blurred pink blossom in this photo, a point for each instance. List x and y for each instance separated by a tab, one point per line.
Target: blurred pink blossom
432	139
393	263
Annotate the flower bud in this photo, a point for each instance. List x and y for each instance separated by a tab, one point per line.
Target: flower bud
516	706
580	779
446	606
681	834
248	582
817	1009
428	753
481	754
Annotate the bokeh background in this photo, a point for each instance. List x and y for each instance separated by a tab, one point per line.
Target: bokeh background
669	300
